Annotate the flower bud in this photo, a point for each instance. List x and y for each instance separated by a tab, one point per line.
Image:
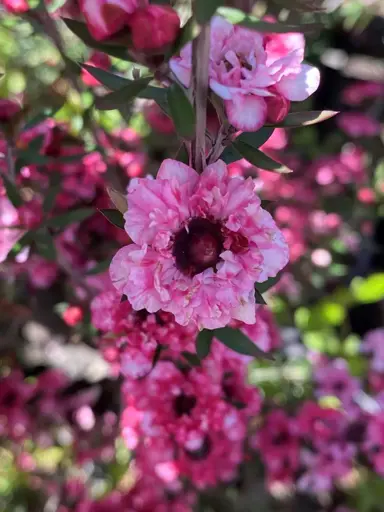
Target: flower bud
154	27
16	6
278	108
73	315
106	17
8	109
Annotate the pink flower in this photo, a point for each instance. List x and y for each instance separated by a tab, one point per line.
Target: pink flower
9	218
8	109
333	379
357	124
16	6
374	346
154	27
247	67
200	244
106	17
358	92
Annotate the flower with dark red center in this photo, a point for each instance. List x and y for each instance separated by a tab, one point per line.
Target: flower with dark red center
200	244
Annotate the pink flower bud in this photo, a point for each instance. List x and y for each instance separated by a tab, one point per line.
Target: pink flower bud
278	108
8	109
72	315
16	6
106	17
154	27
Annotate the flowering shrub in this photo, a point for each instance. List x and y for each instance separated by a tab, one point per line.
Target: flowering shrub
190	259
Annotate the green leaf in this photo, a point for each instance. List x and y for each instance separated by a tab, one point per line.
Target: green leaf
259	299
182	111
64	219
204	342
158	94
36	144
81	31
205	9
191	358
159	349
239	342
45	245
370	289
297	119
264	287
238	17
111	81
256	139
99	268
114	216
123	96
230	155
12	191
260	159
54	189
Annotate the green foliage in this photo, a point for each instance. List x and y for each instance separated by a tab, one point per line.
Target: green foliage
182	111
114	216
121	97
259	159
204	342
239	342
65	219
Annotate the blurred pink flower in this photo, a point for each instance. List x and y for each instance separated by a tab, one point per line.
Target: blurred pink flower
357	124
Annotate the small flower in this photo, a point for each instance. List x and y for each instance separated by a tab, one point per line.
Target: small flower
73	315
256	75
200	244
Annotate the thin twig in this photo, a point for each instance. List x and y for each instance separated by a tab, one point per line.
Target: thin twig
10	159
199	85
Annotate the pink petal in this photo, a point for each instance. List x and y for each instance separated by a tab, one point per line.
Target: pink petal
221	90
172	169
299	87
246	113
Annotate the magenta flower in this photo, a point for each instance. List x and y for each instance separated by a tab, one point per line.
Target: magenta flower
357	124
200	244
247	68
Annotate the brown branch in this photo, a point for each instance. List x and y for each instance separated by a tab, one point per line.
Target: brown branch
199	85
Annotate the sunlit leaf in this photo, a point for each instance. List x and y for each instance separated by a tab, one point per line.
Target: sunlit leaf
118	199
297	119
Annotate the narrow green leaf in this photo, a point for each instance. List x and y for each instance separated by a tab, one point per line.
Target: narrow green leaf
205	9
256	139
264	287
45	245
260	159
40	117
111	81
259	299
81	31
204	342
239	342
63	220
99	268
230	155
191	358
123	96
158	94
12	191
297	119
238	17
36	144
159	349
114	216
182	111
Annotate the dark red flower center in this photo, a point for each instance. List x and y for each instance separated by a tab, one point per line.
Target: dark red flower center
183	404
198	246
